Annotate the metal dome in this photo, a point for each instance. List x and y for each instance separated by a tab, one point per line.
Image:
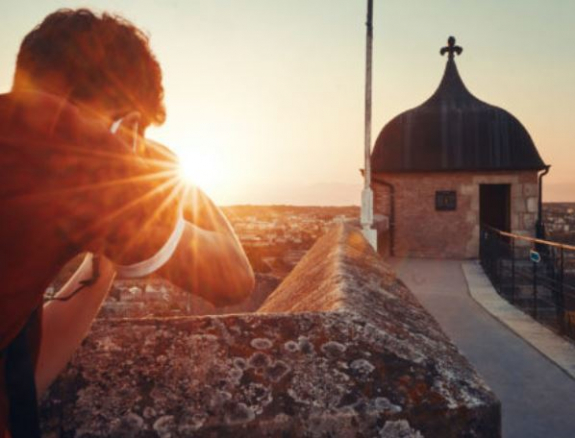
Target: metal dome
454	131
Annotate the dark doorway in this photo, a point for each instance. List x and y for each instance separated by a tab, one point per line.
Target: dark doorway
494	206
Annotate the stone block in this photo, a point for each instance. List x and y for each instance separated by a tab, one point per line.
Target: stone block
523	243
495	179
532	205
472	246
529	220
381	222
516	190
467	189
531	190
474	205
472	249
516	222
518	205
341	348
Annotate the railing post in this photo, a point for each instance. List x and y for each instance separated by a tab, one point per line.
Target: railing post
512	271
534	290
561	300
498	265
552	284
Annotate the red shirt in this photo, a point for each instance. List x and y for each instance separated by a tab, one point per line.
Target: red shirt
67	185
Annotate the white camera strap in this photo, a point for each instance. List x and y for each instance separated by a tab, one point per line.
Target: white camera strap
155	262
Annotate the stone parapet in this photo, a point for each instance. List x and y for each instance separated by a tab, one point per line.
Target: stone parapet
341	348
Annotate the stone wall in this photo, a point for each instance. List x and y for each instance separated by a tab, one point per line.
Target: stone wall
421	231
340	349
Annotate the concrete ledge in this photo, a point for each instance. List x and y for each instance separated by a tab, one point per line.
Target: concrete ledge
341	348
554	347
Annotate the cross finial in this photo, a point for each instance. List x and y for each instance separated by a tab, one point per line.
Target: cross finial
451	48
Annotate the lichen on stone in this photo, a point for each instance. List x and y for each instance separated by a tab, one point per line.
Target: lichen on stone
341	348
261	343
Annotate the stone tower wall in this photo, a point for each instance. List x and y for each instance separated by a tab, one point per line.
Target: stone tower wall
421	231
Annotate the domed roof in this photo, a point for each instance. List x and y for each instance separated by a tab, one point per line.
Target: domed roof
453	130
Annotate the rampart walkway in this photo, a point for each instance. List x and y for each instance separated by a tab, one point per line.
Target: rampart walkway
538	399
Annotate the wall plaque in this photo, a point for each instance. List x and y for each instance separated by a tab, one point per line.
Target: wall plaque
446	200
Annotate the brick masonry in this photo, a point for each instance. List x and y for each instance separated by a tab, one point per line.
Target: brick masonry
421	231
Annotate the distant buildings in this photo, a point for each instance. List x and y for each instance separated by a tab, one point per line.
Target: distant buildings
559	221
275	239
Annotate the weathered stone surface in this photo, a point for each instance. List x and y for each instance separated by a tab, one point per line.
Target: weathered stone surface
341	348
532	205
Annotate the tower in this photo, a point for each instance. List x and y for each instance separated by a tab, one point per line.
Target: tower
446	168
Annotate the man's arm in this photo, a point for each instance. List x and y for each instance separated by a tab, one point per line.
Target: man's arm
66	323
209	261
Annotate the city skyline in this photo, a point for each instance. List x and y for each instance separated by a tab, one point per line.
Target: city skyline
268	96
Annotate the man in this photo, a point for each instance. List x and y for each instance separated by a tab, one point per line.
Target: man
77	176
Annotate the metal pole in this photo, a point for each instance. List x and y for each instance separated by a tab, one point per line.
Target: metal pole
534	290
562	324
540	228
513	271
367	195
368	77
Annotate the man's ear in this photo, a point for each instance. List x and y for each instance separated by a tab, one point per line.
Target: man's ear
129	130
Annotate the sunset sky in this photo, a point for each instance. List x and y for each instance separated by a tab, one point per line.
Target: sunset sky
268	95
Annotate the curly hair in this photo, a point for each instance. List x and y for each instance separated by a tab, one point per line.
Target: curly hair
93	58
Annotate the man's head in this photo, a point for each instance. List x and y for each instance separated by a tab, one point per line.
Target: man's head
99	62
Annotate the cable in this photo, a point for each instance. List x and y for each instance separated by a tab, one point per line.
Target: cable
83	283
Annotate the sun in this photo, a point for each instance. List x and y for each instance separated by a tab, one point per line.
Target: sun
200	168
203	157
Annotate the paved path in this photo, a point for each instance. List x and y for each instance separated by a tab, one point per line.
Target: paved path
538	399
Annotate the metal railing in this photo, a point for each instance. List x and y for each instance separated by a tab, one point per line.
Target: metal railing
534	275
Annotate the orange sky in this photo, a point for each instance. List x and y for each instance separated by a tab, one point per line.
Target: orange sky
266	97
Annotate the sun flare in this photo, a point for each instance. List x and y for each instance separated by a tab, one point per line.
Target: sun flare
203	157
200	168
